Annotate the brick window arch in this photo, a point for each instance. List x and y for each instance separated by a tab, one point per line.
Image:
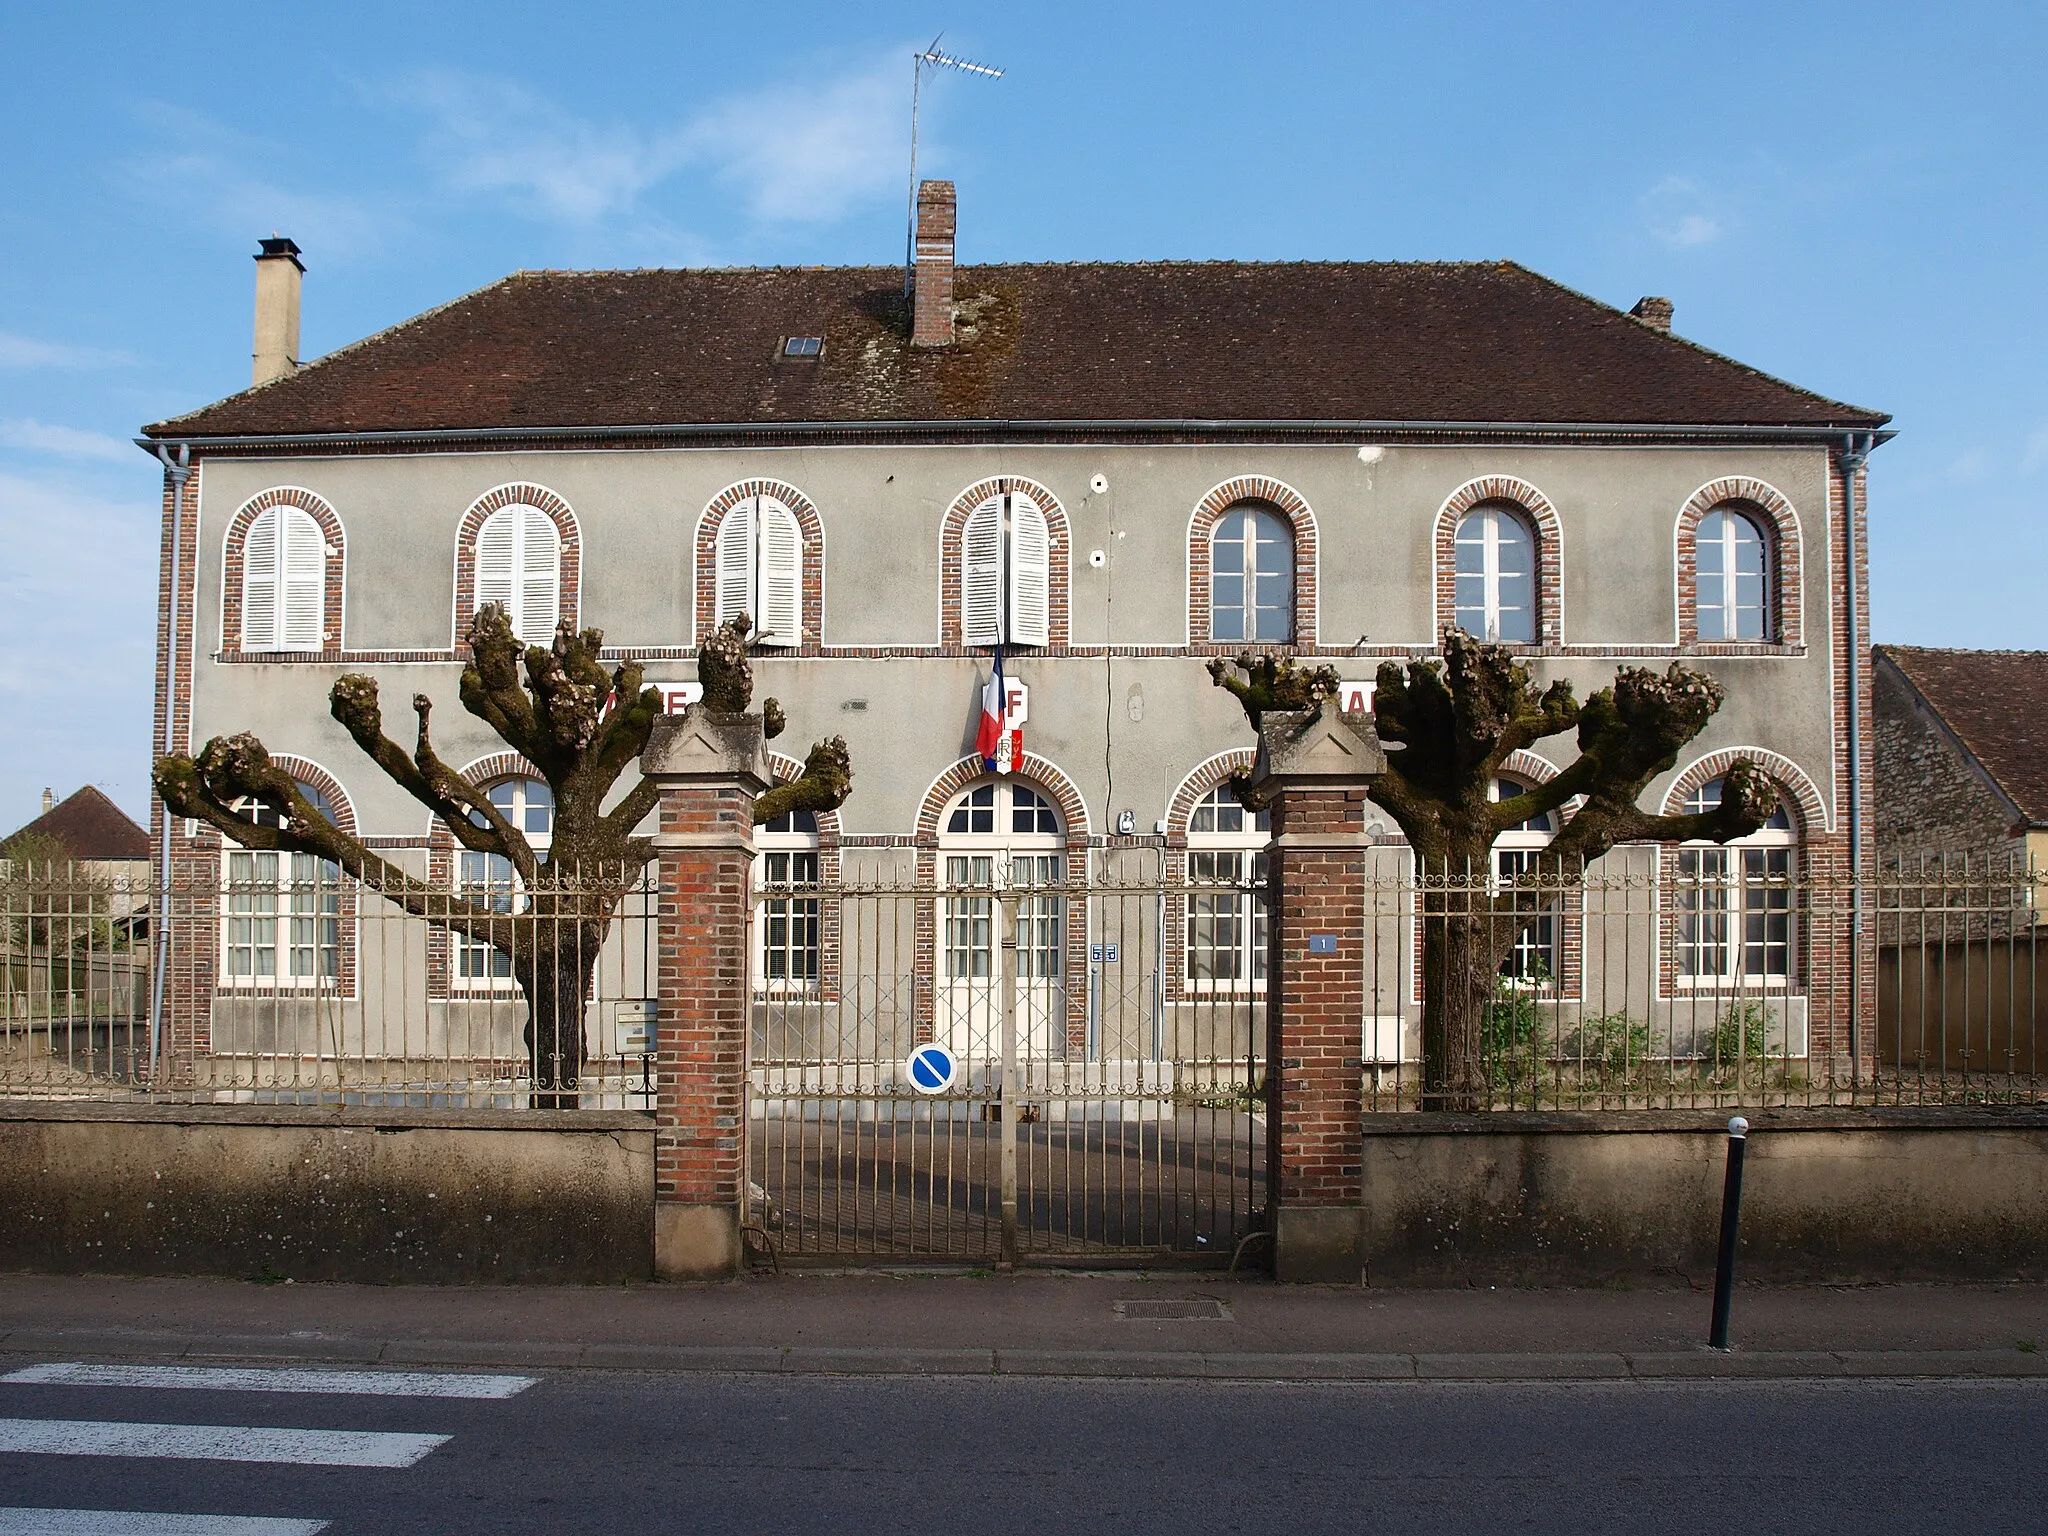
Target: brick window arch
952	557
1802	796
518	494
281	501
1538	514
1775	518
442	860
787	770
1281	498
1203	781
811	571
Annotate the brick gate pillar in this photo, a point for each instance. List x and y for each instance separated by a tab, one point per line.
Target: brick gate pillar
709	770
1312	772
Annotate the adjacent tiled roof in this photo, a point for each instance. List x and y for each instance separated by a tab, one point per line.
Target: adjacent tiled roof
1165	341
1996	703
88	826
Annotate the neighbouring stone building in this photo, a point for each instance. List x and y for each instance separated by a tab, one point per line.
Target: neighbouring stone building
1111	471
1957	743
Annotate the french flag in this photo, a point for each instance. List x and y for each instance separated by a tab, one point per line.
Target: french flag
992	740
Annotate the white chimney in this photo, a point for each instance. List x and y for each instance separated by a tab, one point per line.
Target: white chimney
278	275
49	802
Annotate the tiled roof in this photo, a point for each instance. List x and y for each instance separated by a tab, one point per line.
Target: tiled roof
89	826
1996	702
1386	342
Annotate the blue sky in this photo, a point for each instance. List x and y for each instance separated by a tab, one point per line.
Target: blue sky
1850	196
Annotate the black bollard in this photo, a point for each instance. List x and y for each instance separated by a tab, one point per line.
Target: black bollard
1731	1221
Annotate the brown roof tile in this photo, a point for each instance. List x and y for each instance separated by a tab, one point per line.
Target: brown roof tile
1165	341
1996	702
89	826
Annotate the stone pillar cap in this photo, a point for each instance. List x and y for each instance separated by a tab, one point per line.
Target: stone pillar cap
699	747
1322	746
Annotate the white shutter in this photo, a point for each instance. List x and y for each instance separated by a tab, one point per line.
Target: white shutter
497	555
259	583
735	574
779	578
1030	574
303	590
540	576
981	575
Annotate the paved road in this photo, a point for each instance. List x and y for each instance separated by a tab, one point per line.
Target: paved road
593	1451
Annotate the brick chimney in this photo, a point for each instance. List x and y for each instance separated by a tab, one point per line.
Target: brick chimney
278	273
931	309
1653	312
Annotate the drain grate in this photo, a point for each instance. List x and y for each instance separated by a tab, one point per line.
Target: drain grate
1198	1310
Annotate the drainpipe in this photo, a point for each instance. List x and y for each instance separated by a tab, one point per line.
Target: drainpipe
1855	452
179	469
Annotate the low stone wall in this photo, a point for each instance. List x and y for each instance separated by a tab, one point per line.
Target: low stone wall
1598	1199
275	1192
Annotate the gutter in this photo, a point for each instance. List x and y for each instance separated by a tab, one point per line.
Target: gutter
178	470
1508	431
1856	451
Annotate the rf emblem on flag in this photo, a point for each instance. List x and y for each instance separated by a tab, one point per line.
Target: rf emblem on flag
1005	704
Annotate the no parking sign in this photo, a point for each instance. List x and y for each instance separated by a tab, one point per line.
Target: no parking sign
931	1068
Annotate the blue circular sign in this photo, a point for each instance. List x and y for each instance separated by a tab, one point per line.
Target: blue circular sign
931	1068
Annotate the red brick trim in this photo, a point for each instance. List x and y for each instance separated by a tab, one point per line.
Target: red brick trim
518	493
336	574
1541	515
1533	768
812	581
1179	809
1034	770
1809	810
1778	522
1205	777
311	774
1288	502
1059	580
787	770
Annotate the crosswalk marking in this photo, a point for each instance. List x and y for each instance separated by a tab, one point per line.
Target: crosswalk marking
237	1379
216	1442
121	1522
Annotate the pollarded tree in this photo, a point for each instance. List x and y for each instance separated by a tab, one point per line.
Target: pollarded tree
582	727
1449	725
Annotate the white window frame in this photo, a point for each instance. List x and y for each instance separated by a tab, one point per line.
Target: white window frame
1227	846
1263	527
530	586
284	581
758	559
1514	851
1006	572
1721	531
1485	523
1727	884
786	862
474	965
1001	858
285	892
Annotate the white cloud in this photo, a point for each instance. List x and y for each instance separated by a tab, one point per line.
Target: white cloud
206	174
77	620
2037	451
1970	467
27	352
65	442
792	155
1680	214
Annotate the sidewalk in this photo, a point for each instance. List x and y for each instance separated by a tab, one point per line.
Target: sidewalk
1043	1323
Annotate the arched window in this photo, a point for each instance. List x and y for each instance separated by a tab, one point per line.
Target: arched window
1251	576
519	564
1732	578
530	806
1006	573
1534	957
1496	580
761	569
1226	923
284	582
1735	910
1001	834
787	955
282	924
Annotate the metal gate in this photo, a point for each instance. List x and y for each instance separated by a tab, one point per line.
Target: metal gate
1110	1035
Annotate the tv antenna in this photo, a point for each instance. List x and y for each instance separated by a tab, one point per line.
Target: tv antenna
936	60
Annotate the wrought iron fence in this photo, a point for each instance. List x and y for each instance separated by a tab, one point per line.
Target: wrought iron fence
1660	979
